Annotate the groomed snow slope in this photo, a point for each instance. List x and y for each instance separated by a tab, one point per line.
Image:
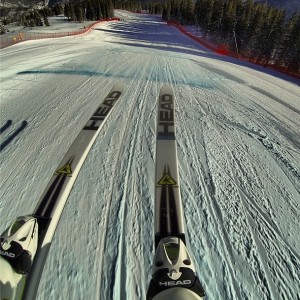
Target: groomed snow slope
239	161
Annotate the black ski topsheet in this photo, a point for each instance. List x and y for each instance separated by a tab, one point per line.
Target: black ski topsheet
52	201
168	206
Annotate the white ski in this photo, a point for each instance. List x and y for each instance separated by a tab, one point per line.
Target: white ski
173	272
23	257
168	206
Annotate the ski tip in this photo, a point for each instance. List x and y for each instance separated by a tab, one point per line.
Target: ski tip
119	86
166	89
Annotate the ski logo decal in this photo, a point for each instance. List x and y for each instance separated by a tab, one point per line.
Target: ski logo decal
102	111
166	117
167	180
175	283
6	253
64	171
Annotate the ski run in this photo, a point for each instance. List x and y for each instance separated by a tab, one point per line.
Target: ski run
237	137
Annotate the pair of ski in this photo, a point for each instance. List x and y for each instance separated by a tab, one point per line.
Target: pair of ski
173	270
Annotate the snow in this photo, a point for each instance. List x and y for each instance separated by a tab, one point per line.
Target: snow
239	161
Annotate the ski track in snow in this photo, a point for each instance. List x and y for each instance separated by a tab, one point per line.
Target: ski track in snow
239	161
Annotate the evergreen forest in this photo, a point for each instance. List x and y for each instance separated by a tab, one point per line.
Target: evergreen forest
253	30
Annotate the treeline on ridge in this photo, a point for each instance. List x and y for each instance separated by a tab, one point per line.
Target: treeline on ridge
254	30
92	10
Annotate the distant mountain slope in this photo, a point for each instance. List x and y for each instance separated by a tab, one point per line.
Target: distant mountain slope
291	6
13	9
22	3
287	4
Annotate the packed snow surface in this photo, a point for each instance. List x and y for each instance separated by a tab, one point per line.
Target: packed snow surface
238	144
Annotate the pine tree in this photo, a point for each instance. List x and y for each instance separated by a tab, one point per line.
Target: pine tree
274	32
254	28
2	29
203	13
58	9
72	12
90	13
166	12
158	8
270	31
46	21
110	9
216	17
175	12
78	10
98	10
188	12
67	10
289	54
229	21
242	29
104	9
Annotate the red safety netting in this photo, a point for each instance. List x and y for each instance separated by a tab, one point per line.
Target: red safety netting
224	50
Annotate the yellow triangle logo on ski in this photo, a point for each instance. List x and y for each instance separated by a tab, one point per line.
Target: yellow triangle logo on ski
64	171
167	180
